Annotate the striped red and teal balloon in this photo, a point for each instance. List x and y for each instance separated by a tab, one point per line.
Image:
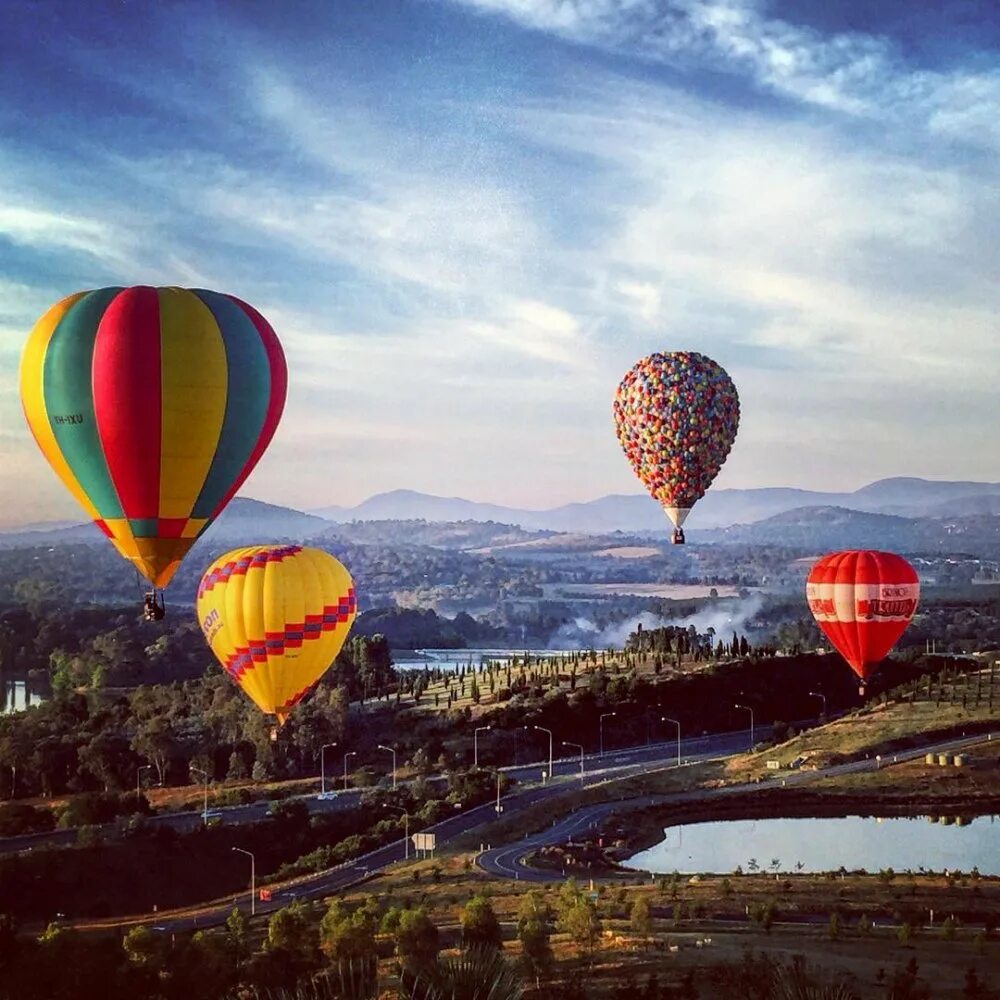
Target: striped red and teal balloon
153	405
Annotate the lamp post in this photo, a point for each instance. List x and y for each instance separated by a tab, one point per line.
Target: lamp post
818	694
542	729
393	752
138	780
322	766
747	708
580	748
350	753
253	879
406	829
475	744
663	718
204	812
606	715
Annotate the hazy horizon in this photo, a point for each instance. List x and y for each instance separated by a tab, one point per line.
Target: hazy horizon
466	219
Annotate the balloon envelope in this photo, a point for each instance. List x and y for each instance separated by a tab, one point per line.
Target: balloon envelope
153	405
276	616
863	601
676	416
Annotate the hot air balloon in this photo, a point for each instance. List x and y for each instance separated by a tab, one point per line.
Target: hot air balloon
276	616
677	415
863	601
153	405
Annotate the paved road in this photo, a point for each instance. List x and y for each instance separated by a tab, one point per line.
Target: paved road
611	767
510	861
255	812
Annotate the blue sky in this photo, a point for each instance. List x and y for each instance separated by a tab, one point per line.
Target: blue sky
466	219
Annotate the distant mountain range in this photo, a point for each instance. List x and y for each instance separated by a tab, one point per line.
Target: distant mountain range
829	528
882	510
906	497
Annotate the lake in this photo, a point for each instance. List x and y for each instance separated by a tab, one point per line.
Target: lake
452	659
819	845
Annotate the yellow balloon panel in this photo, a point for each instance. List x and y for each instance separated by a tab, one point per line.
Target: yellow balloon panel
276	616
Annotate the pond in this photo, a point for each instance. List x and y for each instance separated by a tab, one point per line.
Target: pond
817	845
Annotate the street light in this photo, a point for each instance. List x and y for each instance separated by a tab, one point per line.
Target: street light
393	752
253	879
580	748
542	729
747	708
817	694
606	715
663	718
138	779
198	770
322	766
475	744
350	753
406	828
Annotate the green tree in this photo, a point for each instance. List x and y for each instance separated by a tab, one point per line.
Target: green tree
641	915
417	940
346	937
582	924
480	927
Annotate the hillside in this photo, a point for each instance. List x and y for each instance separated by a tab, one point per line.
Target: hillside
826	528
910	497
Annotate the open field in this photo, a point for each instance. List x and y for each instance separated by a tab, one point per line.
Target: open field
710	934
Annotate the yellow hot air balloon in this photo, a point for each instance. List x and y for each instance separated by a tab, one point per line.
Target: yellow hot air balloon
276	616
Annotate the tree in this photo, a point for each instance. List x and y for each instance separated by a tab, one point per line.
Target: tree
581	922
641	915
480	927
347	937
417	942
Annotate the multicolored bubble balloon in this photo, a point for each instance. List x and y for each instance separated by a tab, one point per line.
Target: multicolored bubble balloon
677	415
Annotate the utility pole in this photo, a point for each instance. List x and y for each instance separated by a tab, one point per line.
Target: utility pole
393	752
542	729
322	766
253	879
475	744
746	708
204	812
580	748
678	725
606	715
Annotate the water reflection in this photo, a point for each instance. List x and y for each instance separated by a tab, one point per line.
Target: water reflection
872	844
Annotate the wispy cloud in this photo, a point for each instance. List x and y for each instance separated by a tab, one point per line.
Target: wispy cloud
854	73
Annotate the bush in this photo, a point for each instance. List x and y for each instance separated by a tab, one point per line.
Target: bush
19	818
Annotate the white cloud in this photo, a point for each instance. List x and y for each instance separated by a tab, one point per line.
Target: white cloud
853	73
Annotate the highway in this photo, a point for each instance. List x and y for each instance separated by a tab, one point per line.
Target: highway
254	812
510	861
614	766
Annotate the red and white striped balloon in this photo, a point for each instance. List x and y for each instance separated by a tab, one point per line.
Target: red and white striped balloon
863	601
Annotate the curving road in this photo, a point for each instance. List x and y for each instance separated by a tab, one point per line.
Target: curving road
613	767
511	861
